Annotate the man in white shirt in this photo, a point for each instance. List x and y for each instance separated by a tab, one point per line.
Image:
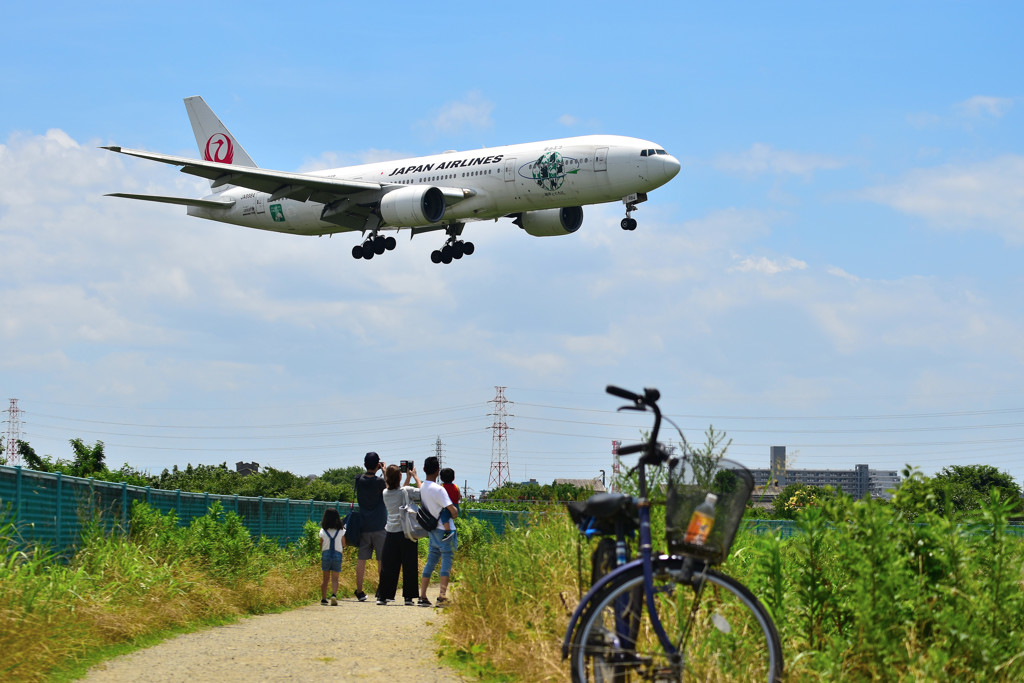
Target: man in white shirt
434	498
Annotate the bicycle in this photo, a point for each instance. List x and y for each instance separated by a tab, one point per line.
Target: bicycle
669	617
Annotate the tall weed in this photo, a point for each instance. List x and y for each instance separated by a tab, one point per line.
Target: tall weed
863	592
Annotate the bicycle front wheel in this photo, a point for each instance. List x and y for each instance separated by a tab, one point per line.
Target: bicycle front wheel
718	628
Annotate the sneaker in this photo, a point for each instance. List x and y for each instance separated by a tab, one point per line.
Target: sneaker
409	602
423	602
334	600
441	600
360	596
447	536
381	601
324	602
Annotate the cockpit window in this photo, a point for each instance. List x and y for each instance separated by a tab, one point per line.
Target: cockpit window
643	152
661	151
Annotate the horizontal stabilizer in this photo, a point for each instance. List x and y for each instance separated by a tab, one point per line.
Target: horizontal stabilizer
181	201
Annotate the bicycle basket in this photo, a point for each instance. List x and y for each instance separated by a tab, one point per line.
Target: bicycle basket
690	480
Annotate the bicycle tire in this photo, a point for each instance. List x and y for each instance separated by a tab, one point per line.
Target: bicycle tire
731	637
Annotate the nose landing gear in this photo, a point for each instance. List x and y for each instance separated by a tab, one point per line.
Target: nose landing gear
629	223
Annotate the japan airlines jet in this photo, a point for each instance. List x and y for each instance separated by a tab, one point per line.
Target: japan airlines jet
542	186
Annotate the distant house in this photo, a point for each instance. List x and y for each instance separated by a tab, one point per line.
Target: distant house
247	468
594	484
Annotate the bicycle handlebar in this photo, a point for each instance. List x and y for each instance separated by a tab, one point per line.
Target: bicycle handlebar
632	448
623	393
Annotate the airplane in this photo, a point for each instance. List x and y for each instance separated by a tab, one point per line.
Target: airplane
541	186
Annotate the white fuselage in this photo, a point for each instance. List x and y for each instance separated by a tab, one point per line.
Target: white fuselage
501	181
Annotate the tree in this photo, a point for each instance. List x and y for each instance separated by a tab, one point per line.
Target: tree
32	460
966	486
955	492
89	460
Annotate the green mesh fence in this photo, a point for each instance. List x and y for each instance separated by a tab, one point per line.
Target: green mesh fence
53	509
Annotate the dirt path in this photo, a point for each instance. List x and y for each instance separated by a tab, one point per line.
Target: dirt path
311	643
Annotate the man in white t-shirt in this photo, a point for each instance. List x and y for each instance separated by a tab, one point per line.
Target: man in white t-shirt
434	498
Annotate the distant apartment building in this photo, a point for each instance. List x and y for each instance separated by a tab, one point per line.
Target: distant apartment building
857	483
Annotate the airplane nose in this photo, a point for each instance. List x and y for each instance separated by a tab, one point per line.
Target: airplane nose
671	165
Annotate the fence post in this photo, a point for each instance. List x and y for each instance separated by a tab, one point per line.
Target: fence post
92	497
147	495
287	518
177	504
206	500
236	503
124	506
261	516
17	493
60	499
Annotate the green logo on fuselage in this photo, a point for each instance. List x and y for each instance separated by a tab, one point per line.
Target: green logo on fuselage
276	213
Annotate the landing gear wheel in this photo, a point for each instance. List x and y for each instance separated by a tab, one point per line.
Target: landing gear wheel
368	251
378	245
390	243
435	256
357	251
468	248
458	250
628	223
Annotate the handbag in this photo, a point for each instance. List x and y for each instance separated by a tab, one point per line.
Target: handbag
408	515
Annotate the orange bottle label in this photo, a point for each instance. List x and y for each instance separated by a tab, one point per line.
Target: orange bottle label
699	528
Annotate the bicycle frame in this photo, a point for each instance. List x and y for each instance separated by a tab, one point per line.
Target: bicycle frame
654	456
646	560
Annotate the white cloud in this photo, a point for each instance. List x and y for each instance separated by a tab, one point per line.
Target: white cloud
473	112
981	106
766	266
987	196
568	120
762	158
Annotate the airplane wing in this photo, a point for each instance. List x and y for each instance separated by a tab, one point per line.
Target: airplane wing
347	203
278	184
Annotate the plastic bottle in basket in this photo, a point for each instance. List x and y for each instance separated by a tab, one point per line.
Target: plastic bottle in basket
701	521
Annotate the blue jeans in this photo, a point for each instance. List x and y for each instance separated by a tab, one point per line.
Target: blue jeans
440	550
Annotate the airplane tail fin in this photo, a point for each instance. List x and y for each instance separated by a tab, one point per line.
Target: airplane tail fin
215	141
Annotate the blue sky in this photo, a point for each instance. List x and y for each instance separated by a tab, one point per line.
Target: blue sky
837	268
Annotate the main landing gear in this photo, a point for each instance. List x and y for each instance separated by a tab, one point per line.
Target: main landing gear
374	245
454	248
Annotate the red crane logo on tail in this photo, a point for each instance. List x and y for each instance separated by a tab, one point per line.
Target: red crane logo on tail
220	149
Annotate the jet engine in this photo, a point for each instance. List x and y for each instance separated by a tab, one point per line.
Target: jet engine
550	222
412	206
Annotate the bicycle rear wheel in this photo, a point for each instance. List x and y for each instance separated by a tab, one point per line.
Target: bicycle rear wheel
721	631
